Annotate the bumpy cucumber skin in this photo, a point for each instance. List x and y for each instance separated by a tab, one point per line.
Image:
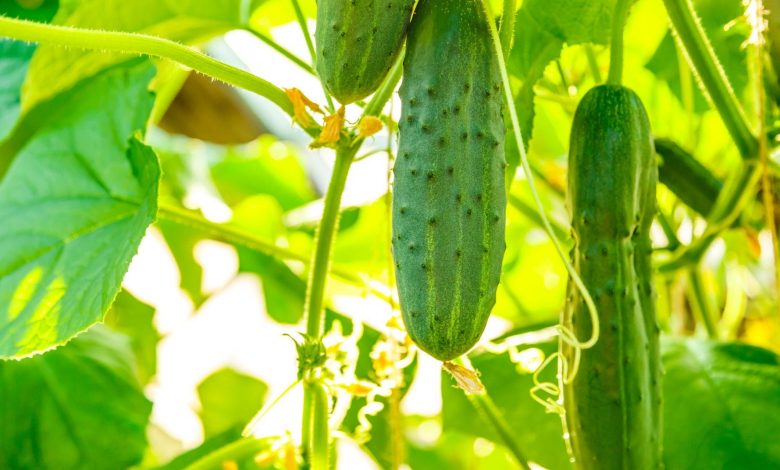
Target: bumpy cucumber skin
613	407
449	203
357	43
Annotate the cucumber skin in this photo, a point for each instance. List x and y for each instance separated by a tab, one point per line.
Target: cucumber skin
449	202
357	42
613	407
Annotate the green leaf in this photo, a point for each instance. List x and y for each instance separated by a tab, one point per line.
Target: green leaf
573	21
721	406
55	412
75	204
55	69
229	400
134	318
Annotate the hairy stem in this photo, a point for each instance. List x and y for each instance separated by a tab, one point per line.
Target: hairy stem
143	44
713	79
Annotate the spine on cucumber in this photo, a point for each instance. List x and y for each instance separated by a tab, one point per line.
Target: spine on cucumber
449	202
357	43
613	406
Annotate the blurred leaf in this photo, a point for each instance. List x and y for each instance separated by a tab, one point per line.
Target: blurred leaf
135	319
77	407
181	240
212	444
721	405
229	400
74	205
538	433
55	69
273	170
714	15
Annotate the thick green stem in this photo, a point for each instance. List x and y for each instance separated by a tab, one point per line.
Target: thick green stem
319	442
485	406
240	450
133	43
320	263
705	64
619	17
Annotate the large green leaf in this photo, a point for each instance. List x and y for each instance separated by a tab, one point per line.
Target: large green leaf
229	400
74	204
722	406
77	407
55	69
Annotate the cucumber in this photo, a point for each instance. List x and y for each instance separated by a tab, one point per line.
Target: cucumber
613	405
357	43
449	202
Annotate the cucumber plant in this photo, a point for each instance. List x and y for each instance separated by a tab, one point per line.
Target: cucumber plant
449	201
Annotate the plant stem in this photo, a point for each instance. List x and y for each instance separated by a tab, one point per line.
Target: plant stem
319	442
713	79
619	17
485	406
134	43
507	30
314	439
239	450
283	51
320	263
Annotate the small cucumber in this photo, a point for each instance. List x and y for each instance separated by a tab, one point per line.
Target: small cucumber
613	405
449	202
357	43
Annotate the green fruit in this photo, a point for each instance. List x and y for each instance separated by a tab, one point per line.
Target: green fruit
357	43
613	405
688	179
449	202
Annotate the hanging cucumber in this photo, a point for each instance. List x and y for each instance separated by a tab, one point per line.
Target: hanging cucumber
449	201
357	43
613	404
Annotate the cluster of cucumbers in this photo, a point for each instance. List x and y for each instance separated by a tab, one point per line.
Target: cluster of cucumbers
449	204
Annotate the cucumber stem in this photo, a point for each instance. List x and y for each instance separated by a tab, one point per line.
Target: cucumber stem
703	309
267	40
619	17
485	406
593	63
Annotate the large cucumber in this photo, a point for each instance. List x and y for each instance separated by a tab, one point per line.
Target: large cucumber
357	43
613	405
449	204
